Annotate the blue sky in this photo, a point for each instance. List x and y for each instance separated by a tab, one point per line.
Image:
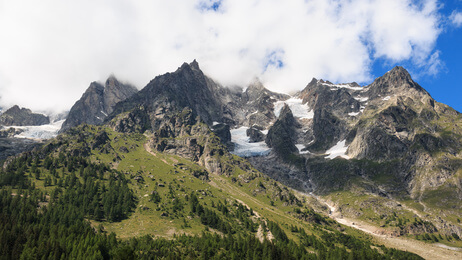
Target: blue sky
51	50
446	85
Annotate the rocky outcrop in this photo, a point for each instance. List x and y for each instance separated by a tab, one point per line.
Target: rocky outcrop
281	135
16	116
184	135
224	133
135	121
97	102
255	135
10	132
258	105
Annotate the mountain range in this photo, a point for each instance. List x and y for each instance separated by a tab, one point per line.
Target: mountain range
386	154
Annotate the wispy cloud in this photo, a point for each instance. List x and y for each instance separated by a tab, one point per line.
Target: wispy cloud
456	18
52	50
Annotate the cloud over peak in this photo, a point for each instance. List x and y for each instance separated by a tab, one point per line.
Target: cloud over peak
56	48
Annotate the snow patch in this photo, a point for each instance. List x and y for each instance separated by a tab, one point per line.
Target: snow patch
215	123
361	99
300	147
298	109
386	98
242	146
41	131
338	150
348	86
103	113
354	113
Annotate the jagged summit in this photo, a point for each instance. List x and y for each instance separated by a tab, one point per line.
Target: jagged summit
97	102
389	139
397	81
171	92
194	64
255	84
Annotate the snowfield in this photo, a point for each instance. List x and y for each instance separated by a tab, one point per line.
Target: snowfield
300	147
348	86
242	146
338	150
298	109
39	132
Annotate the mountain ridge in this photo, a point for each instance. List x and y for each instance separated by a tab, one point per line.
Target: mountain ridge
387	153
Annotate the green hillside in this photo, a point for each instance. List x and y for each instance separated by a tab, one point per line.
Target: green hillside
93	193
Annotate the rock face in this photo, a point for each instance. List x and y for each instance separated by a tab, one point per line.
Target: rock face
16	116
258	105
389	138
13	146
97	103
182	134
171	92
281	135
255	135
390	130
189	87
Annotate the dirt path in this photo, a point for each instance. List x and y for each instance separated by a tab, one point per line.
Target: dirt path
149	150
425	250
218	182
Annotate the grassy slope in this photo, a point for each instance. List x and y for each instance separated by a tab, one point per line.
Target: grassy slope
160	171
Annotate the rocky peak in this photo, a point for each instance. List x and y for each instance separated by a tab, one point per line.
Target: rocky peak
114	91
281	135
194	65
190	68
22	117
172	92
95	87
256	85
397	81
97	102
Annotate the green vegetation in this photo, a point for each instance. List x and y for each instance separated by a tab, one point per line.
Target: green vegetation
98	194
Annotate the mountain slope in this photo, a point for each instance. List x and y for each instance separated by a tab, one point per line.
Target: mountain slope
167	195
390	138
386	154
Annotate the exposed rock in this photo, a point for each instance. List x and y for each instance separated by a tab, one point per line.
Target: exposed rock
255	135
10	132
396	81
258	105
281	135
224	133
16	116
15	146
123	149
171	92
101	139
328	129
135	121
97	102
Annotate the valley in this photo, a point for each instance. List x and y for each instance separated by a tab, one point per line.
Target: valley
334	171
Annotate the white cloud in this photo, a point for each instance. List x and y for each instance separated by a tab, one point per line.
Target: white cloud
456	18
52	50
